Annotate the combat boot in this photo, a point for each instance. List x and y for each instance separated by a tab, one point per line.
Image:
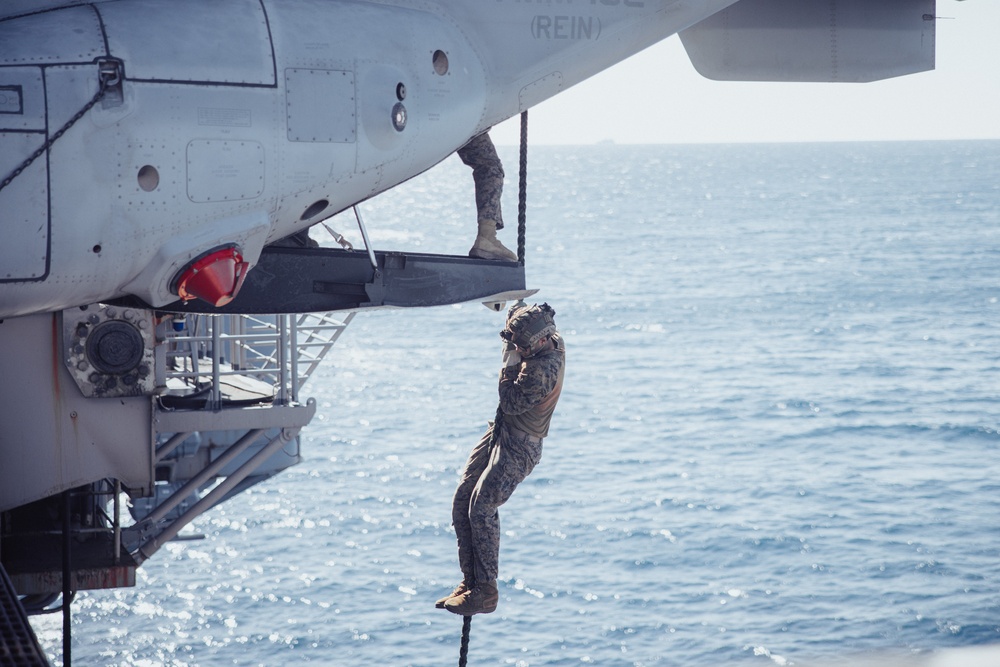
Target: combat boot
461	588
487	246
481	599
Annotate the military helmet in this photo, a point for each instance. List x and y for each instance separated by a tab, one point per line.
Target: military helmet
529	324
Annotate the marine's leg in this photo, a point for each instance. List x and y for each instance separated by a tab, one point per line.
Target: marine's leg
487	174
510	463
511	460
474	467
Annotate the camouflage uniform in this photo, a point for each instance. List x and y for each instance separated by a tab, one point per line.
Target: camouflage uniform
528	394
487	174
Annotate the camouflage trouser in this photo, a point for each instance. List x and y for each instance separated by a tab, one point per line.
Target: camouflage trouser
487	174
490	477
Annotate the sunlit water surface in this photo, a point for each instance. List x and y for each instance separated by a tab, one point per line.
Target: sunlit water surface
777	443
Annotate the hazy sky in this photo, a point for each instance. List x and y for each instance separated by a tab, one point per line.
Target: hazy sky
657	97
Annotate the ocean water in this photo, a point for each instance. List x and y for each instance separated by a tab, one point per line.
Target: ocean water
777	444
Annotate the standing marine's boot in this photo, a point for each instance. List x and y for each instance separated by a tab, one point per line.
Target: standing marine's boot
487	246
461	588
481	599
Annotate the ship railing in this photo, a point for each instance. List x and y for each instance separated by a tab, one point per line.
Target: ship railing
281	351
230	413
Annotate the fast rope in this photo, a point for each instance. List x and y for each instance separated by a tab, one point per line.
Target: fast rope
109	75
463	653
522	189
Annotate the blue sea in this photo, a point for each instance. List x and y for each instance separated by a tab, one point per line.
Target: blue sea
777	445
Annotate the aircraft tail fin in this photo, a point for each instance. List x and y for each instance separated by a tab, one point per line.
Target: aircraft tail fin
814	40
